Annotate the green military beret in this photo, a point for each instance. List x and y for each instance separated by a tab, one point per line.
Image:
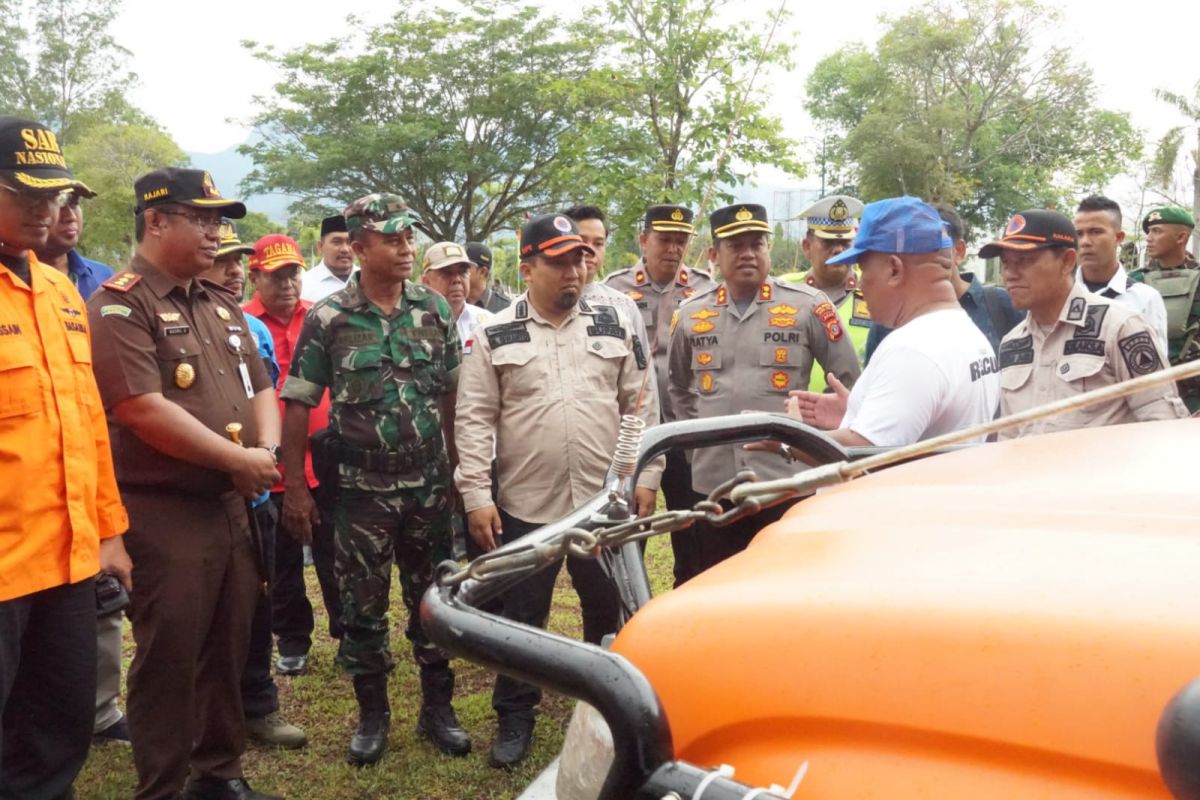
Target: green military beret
1168	215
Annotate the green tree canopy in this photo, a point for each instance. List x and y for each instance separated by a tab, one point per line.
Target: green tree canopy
462	111
63	68
108	160
958	104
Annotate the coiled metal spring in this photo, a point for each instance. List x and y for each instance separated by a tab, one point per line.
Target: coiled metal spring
629	443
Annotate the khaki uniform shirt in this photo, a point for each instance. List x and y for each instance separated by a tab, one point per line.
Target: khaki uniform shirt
551	398
657	305
602	294
190	344
723	361
1095	342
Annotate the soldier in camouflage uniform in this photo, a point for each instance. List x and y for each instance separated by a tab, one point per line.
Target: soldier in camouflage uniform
387	349
1175	273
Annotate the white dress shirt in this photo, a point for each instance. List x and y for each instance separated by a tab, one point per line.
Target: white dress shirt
320	282
1141	298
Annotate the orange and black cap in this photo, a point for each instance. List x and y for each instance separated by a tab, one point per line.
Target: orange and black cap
1035	229
551	235
185	187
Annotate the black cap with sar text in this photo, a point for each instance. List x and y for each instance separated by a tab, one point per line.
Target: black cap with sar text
32	159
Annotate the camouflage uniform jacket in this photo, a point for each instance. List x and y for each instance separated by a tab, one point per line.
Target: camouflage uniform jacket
386	376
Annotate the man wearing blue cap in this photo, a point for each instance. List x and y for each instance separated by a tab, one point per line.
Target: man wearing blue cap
936	372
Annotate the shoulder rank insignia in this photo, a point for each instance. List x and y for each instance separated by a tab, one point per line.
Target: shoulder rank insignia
639	277
722	296
706	313
122	281
683	276
764	292
783	308
829	318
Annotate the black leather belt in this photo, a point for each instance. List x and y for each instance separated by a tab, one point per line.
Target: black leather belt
392	461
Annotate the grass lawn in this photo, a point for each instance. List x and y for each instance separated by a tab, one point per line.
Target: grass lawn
322	703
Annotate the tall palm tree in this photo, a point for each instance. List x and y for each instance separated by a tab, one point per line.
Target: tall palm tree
1169	148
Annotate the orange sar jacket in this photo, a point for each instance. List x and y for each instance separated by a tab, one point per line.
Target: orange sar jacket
58	494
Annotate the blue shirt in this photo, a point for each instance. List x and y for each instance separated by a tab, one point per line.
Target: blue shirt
266	351
87	275
989	307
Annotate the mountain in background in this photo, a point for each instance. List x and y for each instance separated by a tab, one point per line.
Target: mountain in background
228	168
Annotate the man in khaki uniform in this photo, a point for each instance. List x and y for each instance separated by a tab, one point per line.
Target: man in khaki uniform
658	284
1071	341
547	380
742	346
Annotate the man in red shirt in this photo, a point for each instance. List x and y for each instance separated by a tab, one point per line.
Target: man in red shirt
276	268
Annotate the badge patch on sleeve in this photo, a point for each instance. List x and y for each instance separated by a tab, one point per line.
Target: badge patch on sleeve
1140	354
829	318
115	311
638	352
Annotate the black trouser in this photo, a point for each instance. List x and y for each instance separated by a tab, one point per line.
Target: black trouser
529	602
260	696
47	689
715	544
677	489
291	612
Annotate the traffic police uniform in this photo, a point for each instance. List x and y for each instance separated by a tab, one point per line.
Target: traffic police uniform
836	217
1180	289
551	398
195	579
657	305
725	361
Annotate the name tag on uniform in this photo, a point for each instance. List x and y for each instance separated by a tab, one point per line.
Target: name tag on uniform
508	333
615	331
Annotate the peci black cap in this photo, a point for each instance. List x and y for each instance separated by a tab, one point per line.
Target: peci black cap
185	187
1035	229
551	235
479	254
669	219
732	220
334	224
31	158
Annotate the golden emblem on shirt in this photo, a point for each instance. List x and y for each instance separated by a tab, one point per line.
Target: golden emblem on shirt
185	375
223	313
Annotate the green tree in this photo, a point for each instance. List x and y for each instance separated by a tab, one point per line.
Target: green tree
690	90
63	67
958	104
1170	149
463	112
256	225
108	160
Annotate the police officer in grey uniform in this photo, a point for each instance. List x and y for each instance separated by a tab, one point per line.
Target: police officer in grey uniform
742	346
658	283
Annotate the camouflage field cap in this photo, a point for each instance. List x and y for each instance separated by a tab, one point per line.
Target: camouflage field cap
385	213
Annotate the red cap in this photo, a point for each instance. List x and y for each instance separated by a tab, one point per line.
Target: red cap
275	251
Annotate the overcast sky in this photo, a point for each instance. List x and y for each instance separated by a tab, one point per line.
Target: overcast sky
197	80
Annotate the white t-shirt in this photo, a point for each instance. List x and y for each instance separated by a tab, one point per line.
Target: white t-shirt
933	375
470	318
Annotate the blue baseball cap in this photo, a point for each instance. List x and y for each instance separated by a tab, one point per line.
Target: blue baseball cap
896	225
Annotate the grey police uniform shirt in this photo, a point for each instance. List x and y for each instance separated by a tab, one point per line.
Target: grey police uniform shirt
724	361
657	305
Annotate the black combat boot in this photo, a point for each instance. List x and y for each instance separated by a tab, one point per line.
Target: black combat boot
437	722
374	719
512	741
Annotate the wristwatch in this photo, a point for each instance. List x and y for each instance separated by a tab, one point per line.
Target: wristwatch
273	449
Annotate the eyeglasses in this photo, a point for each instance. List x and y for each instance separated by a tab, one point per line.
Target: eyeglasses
206	224
33	198
282	275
